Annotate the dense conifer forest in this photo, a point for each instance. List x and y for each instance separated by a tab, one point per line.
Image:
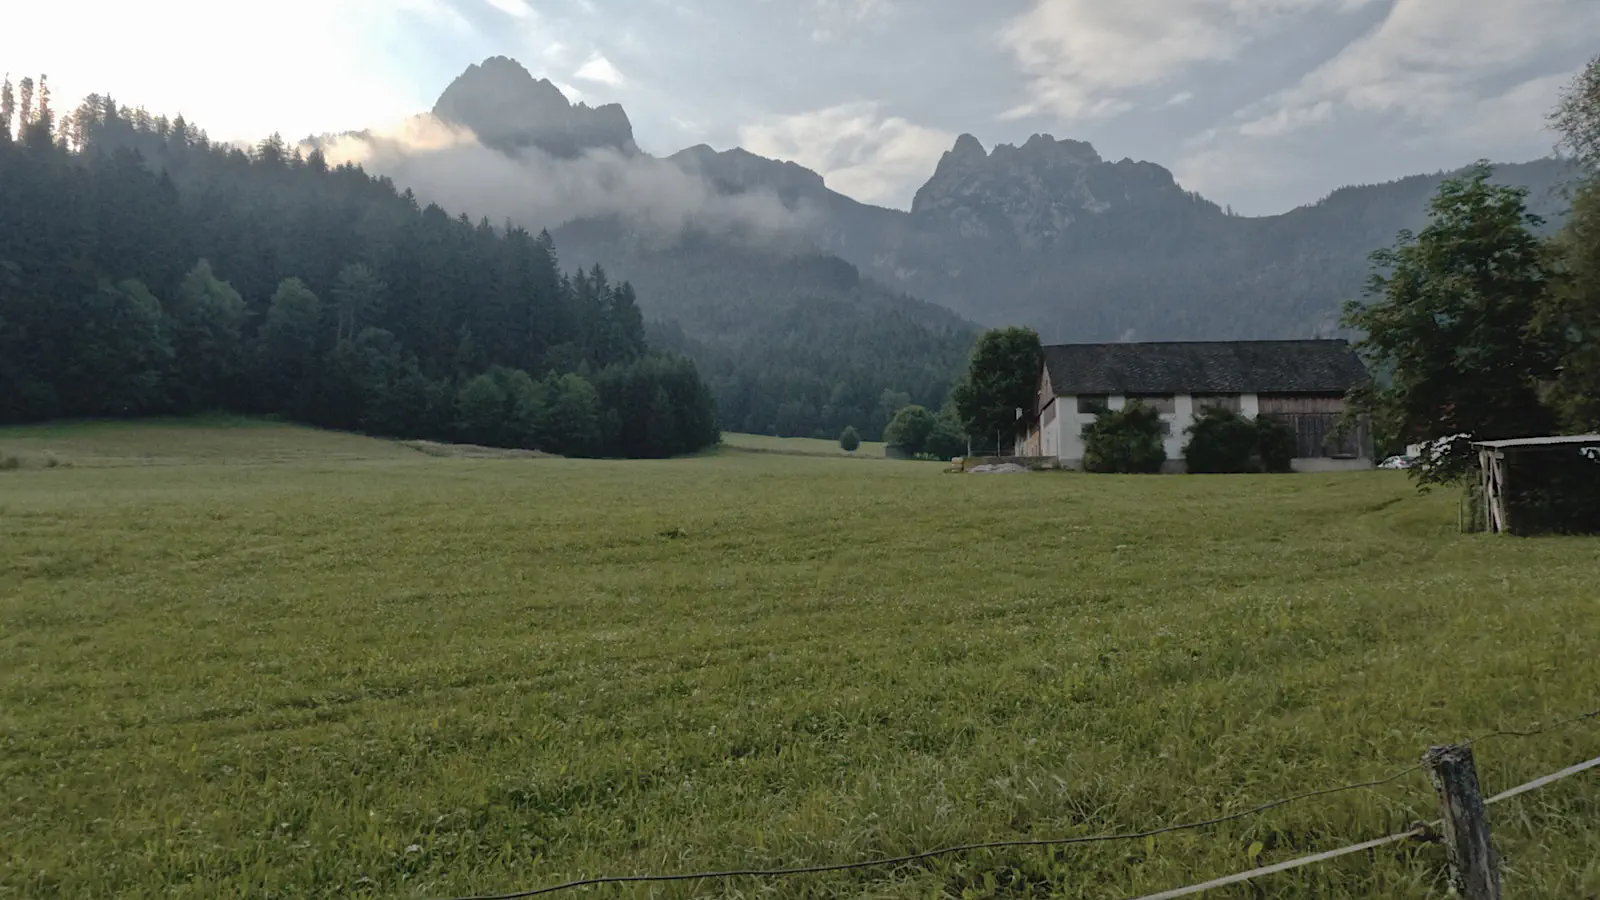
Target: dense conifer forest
145	270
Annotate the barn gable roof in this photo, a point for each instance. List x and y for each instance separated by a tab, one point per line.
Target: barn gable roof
1205	367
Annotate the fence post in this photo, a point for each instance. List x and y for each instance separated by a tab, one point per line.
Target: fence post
1474	866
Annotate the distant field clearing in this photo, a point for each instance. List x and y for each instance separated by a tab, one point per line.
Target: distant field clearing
798	446
285	663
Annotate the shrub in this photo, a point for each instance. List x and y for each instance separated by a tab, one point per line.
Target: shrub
1127	440
910	430
1275	444
947	440
1221	441
850	440
9	463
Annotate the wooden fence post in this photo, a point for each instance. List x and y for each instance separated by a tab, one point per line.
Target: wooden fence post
1474	866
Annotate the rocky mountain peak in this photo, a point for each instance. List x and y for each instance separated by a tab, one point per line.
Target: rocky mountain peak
1034	193
967	148
511	110
739	170
1045	150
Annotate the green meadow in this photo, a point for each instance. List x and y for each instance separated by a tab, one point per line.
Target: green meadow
760	443
241	659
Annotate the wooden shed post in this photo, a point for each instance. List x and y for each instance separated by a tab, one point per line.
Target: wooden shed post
1484	491
1496	513
1474	865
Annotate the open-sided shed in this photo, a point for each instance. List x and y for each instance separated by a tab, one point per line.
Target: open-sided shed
1541	484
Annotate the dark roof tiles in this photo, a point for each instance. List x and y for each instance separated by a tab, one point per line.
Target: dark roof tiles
1205	367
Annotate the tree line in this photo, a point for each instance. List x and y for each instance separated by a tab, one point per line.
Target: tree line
1482	326
146	270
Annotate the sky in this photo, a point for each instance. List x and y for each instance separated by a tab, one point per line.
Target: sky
1262	105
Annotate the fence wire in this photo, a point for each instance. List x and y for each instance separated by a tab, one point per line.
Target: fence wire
1416	832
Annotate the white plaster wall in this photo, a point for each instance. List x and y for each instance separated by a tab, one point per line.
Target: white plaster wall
1319	464
1050	435
1069	428
1064	437
1182	417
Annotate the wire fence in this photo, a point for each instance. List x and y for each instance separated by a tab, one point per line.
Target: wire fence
1419	831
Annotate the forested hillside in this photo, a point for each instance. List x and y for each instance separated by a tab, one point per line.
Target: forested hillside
146	270
793	343
792	339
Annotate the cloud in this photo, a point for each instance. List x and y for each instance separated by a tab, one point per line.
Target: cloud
360	50
835	16
1082	58
858	150
1435	84
1430	58
601	71
446	164
517	9
1286	119
1180	98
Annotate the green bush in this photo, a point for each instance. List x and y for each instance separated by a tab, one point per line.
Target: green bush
1275	444
1127	440
850	440
947	440
1221	442
910	430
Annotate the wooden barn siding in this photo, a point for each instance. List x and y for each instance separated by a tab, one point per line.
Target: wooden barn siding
1315	419
1046	394
1287	404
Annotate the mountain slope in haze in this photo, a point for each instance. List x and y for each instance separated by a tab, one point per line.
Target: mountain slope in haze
793	340
1051	235
741	258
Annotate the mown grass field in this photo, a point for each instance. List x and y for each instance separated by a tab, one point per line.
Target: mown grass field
290	664
761	443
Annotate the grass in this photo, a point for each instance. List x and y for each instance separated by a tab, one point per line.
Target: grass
760	443
292	664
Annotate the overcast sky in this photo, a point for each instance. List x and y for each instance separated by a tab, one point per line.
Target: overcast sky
1261	104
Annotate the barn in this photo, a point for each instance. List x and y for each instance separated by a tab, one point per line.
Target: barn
1303	383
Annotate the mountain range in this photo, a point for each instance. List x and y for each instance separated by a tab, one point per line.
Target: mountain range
1046	233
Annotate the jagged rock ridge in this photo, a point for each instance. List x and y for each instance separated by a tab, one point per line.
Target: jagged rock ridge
510	110
1046	233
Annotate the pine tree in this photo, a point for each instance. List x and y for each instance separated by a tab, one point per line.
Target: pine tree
44	116
289	350
8	108
208	318
357	294
26	108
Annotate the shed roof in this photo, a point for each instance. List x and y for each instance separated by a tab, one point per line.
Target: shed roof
1205	367
1554	441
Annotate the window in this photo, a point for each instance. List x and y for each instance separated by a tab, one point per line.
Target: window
1229	402
1089	404
1161	403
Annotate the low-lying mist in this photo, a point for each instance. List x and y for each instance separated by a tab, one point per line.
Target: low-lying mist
447	164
